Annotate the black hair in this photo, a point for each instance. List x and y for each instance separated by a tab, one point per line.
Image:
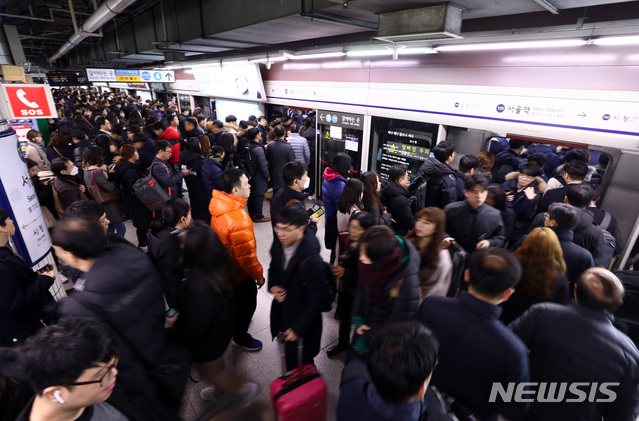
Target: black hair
493	271
365	219
59	353
380	242
294	128
82	208
227	141
4	215
231	178
83	237
252	133
58	165
604	159
100	121
191	120
134	129
216	265
30	162
78	134
218	124
634	262
516	143
201	117
498	196
530	169
193	145
93	155
229	118
467	163
158	125
170	117
293	170
475	179
140	137
580	195
396	172
565	215
576	169
538	158
402	356
170	215
351	196
443	151
161	145
293	214
578	154
279	130
341	164
217	150
276	114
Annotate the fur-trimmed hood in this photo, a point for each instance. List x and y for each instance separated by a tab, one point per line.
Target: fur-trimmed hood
540	183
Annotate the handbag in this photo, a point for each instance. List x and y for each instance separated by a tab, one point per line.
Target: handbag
343	240
100	195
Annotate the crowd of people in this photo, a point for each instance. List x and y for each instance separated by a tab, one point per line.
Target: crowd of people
481	277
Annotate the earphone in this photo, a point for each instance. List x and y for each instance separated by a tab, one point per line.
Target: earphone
56	394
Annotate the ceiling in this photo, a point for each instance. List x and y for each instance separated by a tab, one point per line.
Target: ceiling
152	32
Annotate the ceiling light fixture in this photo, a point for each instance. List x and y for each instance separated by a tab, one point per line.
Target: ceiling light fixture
512	45
621	40
316	55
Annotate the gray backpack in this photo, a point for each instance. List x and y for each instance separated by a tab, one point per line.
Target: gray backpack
149	191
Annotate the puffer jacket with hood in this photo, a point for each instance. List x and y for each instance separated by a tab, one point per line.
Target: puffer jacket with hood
442	183
332	188
235	229
397	202
173	137
590	237
524	208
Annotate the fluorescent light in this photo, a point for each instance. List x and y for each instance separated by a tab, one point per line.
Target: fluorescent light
269	59
414	50
513	45
316	55
617	40
369	53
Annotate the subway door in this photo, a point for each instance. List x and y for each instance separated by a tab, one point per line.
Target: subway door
338	133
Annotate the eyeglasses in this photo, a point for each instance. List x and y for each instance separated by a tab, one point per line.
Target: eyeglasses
284	230
108	375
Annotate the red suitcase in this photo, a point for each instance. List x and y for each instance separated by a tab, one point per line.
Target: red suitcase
300	396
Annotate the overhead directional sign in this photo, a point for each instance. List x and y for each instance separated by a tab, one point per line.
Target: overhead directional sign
130	75
348	121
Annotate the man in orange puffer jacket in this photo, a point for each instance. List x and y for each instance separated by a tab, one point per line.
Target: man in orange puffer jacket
234	227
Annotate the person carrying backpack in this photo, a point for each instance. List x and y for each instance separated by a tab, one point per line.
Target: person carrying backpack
256	163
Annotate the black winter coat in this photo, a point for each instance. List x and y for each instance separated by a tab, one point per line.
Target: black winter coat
78	151
195	185
259	181
301	310
598	353
375	211
391	310
211	172
468	226
281	198
278	153
523	206
164	249
505	162
590	237
127	174
124	285
23	294
397	201
442	183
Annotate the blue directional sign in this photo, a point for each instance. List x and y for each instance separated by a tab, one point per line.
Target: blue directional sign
157	75
146	76
334	118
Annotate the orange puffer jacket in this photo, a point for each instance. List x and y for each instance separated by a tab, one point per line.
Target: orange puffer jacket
235	229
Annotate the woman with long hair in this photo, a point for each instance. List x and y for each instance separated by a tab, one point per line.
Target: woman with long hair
164	245
231	156
206	308
543	274
436	267
127	173
372	201
135	118
350	201
486	161
95	173
80	122
496	198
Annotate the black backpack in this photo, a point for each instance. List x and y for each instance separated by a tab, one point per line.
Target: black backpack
330	285
247	161
417	190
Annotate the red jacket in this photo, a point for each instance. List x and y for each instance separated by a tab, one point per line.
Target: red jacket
172	136
235	229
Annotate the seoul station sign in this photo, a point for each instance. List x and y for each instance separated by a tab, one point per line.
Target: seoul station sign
130	75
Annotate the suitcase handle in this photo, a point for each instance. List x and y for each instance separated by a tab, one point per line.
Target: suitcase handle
300	352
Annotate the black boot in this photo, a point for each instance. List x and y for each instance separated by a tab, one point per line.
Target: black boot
337	349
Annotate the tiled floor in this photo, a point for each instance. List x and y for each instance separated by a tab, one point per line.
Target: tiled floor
264	366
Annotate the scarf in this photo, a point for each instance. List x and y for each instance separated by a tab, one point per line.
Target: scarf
40	150
376	276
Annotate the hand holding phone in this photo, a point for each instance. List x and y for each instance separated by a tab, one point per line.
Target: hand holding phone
317	212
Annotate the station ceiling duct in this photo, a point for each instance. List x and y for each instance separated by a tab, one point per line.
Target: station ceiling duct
424	24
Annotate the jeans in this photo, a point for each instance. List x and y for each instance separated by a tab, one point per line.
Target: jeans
118	227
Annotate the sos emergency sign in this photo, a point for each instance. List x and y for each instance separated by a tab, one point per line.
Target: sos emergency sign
26	101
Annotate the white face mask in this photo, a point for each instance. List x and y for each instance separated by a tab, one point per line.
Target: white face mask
74	171
307	183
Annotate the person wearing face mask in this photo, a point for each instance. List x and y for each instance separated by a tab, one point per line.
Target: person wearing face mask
295	176
35	150
259	180
436	267
23	292
67	185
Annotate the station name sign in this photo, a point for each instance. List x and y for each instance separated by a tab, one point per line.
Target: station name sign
348	121
130	75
